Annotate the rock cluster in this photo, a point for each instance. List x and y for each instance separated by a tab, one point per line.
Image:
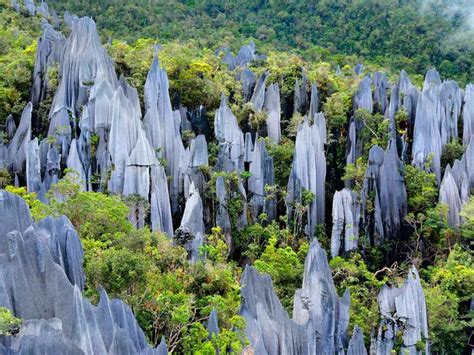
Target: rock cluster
45	260
320	317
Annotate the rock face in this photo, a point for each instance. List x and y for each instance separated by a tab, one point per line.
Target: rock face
345	221
301	95
449	194
308	173
468	114
320	317
363	98
382	86
191	231
356	344
230	138
384	181
258	97
49	53
272	106
44	260
16	155
262	171
245	55
403	308
436	123
84	62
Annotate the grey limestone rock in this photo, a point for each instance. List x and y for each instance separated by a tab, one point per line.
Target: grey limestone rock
308	172
17	149
427	135
74	162
222	215
272	106
314	102
48	53
37	265
248	79
212	324
191	231
258	96
43	9
449	194
468	114
33	167
160	207
65	247
69	19
262	174
356	344
345	221
363	97
384	180
451	101
320	317
245	56
404	96
432	79
230	138
30	7
407	306
392	191
10	127
301	103
123	138
84	62
382	87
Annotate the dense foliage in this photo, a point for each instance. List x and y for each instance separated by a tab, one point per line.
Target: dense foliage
172	297
416	34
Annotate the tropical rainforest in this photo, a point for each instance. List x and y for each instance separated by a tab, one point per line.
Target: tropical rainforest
254	177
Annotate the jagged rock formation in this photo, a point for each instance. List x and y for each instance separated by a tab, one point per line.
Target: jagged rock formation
437	113
403	309
190	233
212	324
263	175
404	97
320	317
382	86
16	154
245	55
468	114
48	53
272	106
345	221
258	97
300	100
356	344
84	63
363	98
45	260
384	180
230	138
308	172
449	194
30	7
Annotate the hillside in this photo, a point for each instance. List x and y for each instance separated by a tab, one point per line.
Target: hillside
256	177
411	35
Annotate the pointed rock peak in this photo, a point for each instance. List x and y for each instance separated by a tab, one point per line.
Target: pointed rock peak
432	79
142	154
376	155
212	324
356	344
162	348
